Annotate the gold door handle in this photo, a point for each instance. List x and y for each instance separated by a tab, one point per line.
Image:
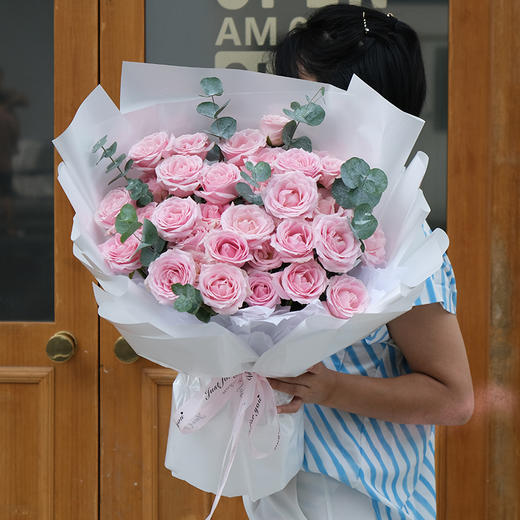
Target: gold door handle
124	352
61	347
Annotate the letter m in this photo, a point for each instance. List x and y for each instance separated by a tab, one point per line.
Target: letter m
252	29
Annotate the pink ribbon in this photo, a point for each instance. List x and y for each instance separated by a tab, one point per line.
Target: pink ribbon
253	398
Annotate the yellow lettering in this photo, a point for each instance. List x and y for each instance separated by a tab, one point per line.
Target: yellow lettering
253	30
378	4
296	21
232	5
228	31
321	3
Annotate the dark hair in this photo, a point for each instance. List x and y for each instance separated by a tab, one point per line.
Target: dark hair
333	44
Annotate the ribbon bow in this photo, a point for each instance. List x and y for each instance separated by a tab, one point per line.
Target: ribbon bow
252	396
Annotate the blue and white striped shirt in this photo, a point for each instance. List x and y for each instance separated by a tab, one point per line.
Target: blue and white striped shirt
394	464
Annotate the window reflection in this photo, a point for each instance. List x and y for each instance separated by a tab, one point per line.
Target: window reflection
238	34
26	161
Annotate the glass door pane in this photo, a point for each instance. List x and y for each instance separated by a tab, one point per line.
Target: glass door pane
26	161
239	34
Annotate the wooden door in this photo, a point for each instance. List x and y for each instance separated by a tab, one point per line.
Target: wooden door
135	398
478	464
49	411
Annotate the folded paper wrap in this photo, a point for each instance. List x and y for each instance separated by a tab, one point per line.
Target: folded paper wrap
359	122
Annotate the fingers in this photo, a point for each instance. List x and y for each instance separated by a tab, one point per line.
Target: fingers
288	388
317	368
292	407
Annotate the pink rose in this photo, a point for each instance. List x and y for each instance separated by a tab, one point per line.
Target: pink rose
158	192
272	126
250	221
121	258
146	212
291	194
110	207
175	218
147	153
180	174
337	247
346	296
326	203
243	144
330	169
195	240
375	254
298	160
294	240
265	257
173	266
263	291
304	283
268	155
211	213
223	287
228	247
189	144
218	181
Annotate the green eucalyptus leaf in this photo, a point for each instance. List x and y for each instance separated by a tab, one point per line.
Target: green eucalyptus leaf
248	179
129	165
99	144
249	165
301	142
261	171
126	222
221	109
357	174
245	191
215	154
207	108
347	198
148	255
110	167
205	313
341	193
224	127
354	171
137	188
288	132
151	236
188	298
313	115
212	86
363	223
120	159
291	114
111	150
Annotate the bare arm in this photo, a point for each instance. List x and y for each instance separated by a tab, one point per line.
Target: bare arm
438	391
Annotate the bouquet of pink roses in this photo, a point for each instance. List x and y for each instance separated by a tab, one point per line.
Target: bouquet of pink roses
254	219
234	248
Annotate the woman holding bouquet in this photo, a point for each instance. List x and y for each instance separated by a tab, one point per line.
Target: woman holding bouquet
369	409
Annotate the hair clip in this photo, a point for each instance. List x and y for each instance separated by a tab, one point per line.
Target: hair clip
367	30
390	15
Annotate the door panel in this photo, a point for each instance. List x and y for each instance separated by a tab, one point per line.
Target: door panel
48	412
136	398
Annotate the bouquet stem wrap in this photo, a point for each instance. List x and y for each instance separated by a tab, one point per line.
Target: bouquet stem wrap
253	399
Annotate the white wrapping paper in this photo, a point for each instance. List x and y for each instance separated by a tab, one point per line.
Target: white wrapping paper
359	122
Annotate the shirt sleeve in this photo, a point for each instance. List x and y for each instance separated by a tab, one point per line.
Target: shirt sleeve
440	287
